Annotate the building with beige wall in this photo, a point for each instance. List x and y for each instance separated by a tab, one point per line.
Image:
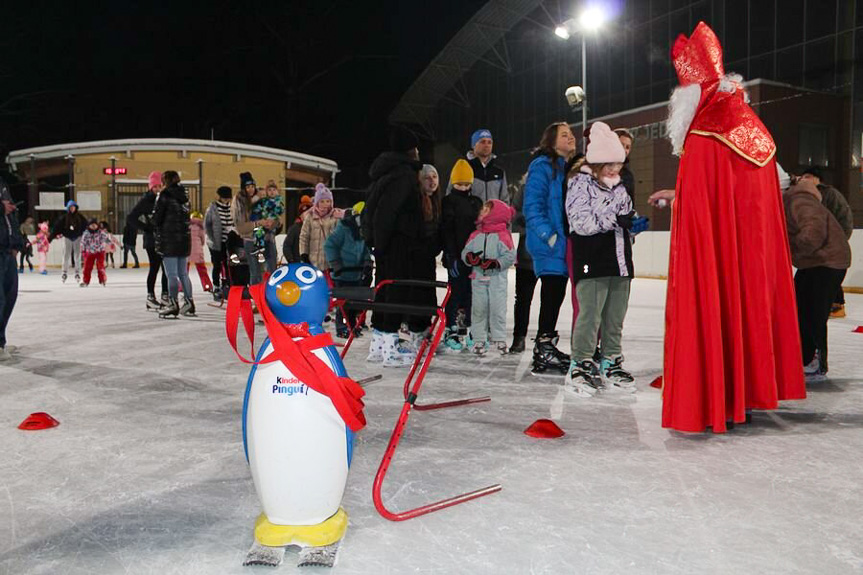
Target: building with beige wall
106	178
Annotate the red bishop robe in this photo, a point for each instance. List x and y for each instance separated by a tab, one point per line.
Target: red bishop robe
731	336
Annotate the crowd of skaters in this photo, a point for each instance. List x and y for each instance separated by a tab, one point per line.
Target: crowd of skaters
574	214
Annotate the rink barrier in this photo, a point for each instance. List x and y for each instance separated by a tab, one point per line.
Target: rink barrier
649	255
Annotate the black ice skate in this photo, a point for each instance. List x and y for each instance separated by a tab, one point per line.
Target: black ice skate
188	308
547	359
171	310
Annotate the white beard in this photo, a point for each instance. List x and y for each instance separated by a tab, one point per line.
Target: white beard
681	111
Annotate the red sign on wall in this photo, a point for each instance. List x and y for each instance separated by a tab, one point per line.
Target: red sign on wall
114	171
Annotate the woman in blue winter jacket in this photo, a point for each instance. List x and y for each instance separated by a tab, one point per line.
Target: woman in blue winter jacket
546	240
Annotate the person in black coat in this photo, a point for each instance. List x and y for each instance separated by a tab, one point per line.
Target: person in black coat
174	242
130	238
405	240
141	218
460	210
291	244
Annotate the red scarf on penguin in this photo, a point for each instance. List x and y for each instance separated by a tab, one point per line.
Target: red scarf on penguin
345	393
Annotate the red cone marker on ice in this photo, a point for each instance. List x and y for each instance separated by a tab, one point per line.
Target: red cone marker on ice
657	383
36	421
544	429
859	329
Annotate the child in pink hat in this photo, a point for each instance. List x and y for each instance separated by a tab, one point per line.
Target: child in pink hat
601	222
490	253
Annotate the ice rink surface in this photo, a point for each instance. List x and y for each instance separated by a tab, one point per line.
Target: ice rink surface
146	473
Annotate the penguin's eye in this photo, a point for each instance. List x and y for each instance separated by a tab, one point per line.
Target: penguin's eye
307	275
277	276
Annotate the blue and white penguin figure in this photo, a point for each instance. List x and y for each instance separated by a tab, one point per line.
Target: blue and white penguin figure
297	445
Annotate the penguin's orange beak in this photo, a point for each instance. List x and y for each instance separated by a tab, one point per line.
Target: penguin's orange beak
288	293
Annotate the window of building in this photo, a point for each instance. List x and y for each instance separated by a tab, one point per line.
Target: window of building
813	147
820	19
762	31
735	44
820	64
789	23
789	65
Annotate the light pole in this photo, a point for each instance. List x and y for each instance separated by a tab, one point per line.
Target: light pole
589	21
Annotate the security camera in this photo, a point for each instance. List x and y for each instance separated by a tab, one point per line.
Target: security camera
574	95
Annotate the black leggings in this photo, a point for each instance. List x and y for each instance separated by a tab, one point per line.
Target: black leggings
155	266
551	296
525	285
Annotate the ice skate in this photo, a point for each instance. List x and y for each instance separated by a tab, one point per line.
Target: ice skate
837	311
376	347
814	372
581	379
77	278
480	348
452	342
394	355
500	347
188	308
547	359
83	284
171	310
153	304
63	277
614	377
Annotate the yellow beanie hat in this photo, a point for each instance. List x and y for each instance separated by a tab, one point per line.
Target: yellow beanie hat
461	173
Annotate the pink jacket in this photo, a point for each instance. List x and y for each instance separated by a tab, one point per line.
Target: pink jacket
196	226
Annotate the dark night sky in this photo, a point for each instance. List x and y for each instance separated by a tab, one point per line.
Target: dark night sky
314	76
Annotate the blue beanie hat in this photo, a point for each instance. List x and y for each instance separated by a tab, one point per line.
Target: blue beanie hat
71	203
479	135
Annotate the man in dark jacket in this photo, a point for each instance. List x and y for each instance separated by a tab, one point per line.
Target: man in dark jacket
396	230
70	226
822	256
489	181
11	243
141	217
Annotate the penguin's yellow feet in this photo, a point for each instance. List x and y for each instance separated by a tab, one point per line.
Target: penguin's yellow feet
324	533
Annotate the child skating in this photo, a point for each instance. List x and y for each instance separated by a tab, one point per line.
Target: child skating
93	243
489	252
601	221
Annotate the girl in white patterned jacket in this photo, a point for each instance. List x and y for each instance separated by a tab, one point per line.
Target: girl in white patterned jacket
600	217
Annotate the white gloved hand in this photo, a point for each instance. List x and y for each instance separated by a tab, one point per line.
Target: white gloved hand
552	240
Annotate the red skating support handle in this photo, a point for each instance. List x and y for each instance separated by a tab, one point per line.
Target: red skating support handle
431	507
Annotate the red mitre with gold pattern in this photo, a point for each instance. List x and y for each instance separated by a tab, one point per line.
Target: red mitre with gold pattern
721	114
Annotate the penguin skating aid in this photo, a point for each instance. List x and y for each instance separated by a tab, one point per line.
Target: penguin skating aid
300	414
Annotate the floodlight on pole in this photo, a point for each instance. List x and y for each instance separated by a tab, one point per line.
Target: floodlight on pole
562	32
591	19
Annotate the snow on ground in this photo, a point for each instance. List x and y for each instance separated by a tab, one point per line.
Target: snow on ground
146	472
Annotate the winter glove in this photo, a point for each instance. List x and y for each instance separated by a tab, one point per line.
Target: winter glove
640	224
336	267
453	268
305	258
490	264
552	240
625	220
473	258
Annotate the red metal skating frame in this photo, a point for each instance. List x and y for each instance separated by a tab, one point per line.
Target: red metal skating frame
411	390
